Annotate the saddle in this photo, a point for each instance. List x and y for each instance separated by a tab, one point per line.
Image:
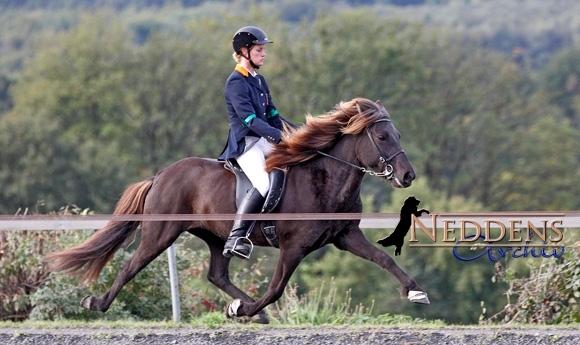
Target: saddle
277	185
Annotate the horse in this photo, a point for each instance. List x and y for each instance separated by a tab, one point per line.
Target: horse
326	159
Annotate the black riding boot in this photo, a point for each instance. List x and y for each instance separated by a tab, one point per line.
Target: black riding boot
252	203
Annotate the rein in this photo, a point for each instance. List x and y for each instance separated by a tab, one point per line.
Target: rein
389	171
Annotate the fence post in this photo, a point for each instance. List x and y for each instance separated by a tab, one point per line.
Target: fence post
174	283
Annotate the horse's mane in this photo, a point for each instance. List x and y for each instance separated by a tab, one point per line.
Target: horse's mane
319	133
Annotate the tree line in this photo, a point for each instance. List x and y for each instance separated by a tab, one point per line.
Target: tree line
93	112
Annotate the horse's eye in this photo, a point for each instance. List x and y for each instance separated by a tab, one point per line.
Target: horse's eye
381	137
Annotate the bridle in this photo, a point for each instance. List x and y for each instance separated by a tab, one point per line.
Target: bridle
389	171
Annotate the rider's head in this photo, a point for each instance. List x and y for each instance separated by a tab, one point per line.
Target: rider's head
245	39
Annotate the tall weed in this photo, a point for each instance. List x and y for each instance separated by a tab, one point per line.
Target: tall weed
322	307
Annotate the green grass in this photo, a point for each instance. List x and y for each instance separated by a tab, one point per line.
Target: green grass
319	307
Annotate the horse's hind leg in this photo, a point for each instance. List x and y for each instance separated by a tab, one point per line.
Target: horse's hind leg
354	241
287	262
155	238
218	275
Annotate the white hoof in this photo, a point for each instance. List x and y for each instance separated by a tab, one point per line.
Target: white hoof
233	308
86	302
418	297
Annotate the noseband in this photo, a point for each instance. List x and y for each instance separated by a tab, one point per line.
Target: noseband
389	171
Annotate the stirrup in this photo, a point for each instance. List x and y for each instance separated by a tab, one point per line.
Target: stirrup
240	254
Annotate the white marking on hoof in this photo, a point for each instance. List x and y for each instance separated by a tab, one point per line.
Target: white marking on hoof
233	308
418	297
86	302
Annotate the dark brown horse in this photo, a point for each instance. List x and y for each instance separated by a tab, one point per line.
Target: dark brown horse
326	158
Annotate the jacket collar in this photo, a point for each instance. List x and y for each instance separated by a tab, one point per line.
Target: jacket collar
243	70
256	82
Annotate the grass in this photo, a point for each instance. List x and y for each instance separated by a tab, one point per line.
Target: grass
319	307
322	307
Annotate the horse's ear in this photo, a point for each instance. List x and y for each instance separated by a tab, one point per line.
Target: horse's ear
380	105
357	107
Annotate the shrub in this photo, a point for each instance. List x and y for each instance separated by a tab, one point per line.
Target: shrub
22	269
549	295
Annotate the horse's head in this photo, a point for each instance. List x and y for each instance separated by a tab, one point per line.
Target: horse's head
382	151
377	149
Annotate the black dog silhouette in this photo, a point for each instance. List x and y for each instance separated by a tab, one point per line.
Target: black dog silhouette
397	238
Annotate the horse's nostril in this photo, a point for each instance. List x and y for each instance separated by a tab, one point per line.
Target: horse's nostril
409	177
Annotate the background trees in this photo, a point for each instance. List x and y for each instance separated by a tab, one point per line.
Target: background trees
92	101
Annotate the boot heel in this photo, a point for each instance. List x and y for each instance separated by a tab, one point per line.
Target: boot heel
239	248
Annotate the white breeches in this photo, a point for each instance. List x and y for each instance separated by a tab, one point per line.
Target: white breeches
253	163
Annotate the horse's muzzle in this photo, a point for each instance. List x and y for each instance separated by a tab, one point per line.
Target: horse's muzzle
405	181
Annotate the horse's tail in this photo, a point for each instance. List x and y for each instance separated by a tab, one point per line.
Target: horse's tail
88	259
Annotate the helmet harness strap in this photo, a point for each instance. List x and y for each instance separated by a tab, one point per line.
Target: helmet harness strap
249	58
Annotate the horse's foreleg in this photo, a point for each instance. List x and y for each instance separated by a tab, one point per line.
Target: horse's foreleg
154	240
287	263
354	241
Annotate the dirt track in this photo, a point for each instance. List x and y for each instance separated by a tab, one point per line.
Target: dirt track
290	336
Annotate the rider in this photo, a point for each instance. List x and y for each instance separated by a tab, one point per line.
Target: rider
254	125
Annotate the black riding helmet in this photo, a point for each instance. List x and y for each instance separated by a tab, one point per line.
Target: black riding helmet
247	37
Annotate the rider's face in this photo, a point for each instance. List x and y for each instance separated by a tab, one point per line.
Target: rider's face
258	54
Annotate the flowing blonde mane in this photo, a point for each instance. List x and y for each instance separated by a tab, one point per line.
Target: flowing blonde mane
319	133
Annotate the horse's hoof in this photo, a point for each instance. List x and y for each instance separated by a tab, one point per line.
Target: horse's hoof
418	297
262	319
233	308
87	301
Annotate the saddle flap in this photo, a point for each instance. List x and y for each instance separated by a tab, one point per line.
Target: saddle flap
243	184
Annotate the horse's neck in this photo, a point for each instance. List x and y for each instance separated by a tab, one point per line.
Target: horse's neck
344	181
